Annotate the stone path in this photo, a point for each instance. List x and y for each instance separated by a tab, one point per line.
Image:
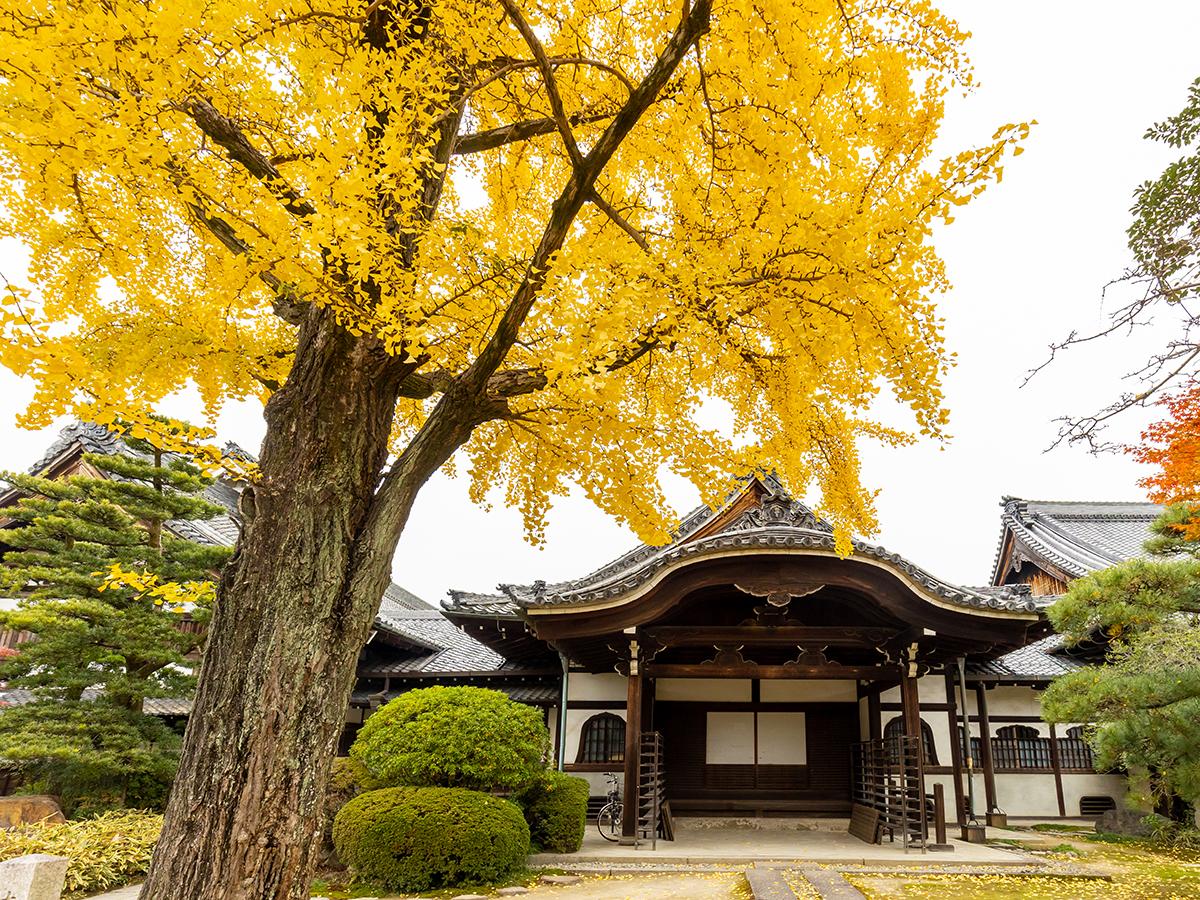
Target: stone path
129	892
768	884
831	885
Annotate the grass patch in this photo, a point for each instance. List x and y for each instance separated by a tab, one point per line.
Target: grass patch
1053	828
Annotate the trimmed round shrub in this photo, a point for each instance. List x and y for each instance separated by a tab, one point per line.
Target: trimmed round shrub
417	839
556	809
462	737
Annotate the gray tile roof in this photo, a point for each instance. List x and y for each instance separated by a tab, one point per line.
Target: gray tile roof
222	530
1071	536
1038	661
151	706
449	648
519	691
775	521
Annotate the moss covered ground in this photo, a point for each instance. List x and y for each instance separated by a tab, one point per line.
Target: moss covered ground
1132	870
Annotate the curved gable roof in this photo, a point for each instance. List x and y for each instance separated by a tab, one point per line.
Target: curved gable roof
760	518
1071	538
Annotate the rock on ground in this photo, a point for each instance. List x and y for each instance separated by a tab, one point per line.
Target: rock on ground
29	810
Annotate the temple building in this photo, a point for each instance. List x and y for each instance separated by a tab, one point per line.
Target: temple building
766	662
745	668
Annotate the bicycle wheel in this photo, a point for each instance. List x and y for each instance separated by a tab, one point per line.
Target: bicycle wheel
608	823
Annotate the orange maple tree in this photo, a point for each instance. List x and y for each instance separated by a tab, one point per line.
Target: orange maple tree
1173	445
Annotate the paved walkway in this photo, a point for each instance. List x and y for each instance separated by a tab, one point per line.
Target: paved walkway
129	892
733	845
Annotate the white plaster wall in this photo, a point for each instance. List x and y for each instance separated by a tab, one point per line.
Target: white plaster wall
1035	795
1012	701
729	690
605	686
931	688
1076	786
597	781
807	690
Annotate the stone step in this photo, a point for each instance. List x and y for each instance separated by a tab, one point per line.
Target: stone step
831	885
768	884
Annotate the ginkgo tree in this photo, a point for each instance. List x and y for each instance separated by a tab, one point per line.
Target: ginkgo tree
546	234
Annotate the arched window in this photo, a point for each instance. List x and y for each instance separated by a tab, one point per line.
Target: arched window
1021	747
1018	733
895	728
1074	750
602	740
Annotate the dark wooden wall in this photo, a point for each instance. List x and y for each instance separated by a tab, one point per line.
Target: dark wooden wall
822	786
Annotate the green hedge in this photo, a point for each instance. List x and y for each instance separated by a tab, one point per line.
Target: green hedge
556	809
104	852
462	737
417	839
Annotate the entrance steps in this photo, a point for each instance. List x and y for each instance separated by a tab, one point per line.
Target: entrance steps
768	823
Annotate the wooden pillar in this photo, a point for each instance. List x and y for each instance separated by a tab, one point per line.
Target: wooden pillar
1056	764
911	705
985	749
874	717
633	731
956	749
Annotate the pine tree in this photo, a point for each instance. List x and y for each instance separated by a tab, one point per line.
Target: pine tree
101	648
1144	700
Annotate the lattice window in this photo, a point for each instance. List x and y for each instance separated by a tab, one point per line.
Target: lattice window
602	740
1020	747
895	728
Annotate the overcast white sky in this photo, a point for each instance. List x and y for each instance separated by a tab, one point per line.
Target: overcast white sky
1028	262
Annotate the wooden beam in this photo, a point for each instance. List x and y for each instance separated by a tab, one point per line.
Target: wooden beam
926	706
753	670
780	635
985	748
910	698
956	748
1056	764
633	730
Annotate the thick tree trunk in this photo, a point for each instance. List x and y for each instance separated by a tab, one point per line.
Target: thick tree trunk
294	607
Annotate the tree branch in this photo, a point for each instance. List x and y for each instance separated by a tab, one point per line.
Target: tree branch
285	302
577	190
224	132
607	208
517	131
558	112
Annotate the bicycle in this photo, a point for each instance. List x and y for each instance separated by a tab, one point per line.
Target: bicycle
608	821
